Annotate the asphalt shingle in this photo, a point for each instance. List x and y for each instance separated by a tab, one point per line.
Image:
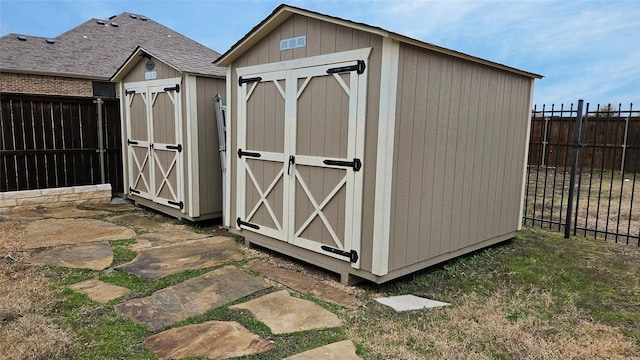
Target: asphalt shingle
97	48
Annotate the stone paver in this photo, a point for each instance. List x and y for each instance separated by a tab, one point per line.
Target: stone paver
164	237
341	350
158	262
100	291
211	339
94	256
409	302
304	284
284	314
137	221
53	232
61	213
192	297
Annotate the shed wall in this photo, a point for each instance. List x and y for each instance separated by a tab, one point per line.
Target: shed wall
322	38
208	150
458	155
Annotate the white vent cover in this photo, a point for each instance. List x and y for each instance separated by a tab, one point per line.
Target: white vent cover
293	43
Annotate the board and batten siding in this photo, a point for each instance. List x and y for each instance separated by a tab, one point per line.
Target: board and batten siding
322	38
457	165
208	164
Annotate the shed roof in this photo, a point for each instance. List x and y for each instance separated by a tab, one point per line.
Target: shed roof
97	48
284	11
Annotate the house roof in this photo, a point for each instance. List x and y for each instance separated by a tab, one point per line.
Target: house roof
284	11
97	48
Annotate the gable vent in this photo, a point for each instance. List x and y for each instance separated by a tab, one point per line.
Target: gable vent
100	22
50	41
293	43
114	24
22	38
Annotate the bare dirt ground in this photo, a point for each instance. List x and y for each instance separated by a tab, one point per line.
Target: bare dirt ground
607	202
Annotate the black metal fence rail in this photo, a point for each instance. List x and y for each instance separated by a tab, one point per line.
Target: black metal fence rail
583	171
51	141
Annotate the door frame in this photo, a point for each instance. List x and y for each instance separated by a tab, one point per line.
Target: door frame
287	70
148	89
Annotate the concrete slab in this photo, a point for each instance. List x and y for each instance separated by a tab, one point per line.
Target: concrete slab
53	232
192	297
137	221
341	350
158	262
304	284
285	314
211	339
100	291
409	302
66	212
164	237
94	256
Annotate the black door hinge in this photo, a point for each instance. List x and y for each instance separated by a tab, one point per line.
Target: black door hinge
179	204
248	153
356	164
247	224
131	142
358	67
129	92
134	191
174	88
174	147
352	255
242	80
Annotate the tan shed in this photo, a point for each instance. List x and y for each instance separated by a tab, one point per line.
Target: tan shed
369	153
169	131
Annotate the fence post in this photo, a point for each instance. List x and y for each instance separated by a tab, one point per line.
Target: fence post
99	103
574	165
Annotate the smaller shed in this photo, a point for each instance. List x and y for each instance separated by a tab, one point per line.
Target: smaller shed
170	136
367	152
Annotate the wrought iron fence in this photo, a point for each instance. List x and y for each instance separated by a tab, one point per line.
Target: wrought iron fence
52	141
583	173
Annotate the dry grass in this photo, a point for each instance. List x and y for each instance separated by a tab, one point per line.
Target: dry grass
607	202
523	325
27	331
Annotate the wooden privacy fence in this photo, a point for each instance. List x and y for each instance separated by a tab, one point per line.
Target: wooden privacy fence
51	141
583	173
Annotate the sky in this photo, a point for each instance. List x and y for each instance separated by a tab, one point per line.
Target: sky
584	49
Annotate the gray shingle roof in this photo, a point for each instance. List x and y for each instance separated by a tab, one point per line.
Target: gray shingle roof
97	48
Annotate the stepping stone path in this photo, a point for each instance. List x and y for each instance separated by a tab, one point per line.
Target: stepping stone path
53	232
192	297
158	262
81	242
165	237
341	350
94	256
211	339
275	311
100	291
303	284
136	221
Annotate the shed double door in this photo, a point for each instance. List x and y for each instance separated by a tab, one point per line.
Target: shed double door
301	144
154	142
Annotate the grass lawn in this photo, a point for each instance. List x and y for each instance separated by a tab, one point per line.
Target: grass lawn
538	296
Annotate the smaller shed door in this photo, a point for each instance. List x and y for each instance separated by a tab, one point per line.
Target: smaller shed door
301	147
154	144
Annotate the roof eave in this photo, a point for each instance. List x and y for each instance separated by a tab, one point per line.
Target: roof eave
283	12
277	17
56	74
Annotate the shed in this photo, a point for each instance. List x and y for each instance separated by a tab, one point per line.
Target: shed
170	136
369	153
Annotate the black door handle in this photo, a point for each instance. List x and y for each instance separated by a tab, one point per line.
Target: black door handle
292	161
